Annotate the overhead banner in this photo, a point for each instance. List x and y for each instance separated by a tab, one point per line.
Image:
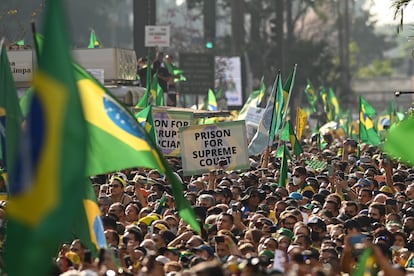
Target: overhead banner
167	124
219	146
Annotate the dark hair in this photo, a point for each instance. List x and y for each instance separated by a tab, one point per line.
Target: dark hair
380	207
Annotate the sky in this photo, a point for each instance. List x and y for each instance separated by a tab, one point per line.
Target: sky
385	13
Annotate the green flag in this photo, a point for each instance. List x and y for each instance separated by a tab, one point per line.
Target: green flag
283	178
94	41
20	42
326	106
271	122
110	123
287	88
211	101
251	102
397	139
88	226
10	113
25	101
146	120
366	264
46	188
334	107
392	111
367	131
288	134
312	96
176	72
143	102
277	117
156	92
261	95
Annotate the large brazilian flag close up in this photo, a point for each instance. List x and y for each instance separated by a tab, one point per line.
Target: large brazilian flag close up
47	185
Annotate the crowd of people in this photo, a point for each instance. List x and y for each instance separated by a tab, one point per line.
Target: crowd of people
322	222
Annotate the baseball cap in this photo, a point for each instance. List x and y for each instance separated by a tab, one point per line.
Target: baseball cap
205	247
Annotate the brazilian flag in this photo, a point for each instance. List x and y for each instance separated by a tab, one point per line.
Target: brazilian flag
88	227
288	134
47	185
145	118
367	132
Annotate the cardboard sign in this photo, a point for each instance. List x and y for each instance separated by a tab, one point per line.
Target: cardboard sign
167	125
204	146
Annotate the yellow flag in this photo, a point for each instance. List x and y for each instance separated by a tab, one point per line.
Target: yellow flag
301	120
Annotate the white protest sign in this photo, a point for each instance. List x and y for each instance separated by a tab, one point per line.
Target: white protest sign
203	146
253	117
157	36
167	124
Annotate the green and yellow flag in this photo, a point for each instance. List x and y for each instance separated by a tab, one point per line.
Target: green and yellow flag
334	107
10	113
94	42
287	88
288	134
367	132
366	265
47	184
397	138
145	118
156	92
283	178
211	101
312	96
88	226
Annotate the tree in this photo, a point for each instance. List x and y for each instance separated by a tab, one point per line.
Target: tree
399	6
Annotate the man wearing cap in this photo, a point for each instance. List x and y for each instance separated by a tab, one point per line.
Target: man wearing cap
116	190
205	252
251	200
318	231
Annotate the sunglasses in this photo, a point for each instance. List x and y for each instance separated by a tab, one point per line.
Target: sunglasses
114	186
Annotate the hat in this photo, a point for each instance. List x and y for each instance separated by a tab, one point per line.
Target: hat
387	190
148	220
252	190
141	249
307	207
365	160
162	259
205	247
73	257
317	221
312	179
296	196
363	182
160	226
322	176
267	253
392	224
120	179
285	232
